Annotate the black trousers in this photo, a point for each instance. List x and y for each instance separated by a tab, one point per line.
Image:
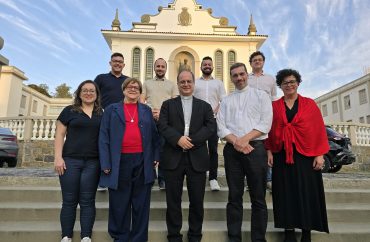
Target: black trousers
213	155
129	205
254	167
195	182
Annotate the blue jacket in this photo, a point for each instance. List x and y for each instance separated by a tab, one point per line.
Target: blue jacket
112	129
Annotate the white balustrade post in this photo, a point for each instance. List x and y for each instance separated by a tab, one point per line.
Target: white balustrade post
53	128
41	129
47	129
352	134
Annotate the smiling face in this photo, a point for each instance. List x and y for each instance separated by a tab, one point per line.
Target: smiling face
289	85
160	68
207	67
117	63
88	93
185	83
132	92
239	77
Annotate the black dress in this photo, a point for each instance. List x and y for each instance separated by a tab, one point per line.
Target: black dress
298	190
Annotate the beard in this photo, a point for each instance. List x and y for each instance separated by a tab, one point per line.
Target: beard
160	76
207	72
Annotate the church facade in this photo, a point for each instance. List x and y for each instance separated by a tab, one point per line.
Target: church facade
182	33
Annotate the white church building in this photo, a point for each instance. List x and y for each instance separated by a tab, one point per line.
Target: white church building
182	33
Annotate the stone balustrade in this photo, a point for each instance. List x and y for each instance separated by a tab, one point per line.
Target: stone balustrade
31	128
358	133
43	128
36	136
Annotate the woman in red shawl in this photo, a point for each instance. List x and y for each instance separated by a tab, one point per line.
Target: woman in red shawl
296	145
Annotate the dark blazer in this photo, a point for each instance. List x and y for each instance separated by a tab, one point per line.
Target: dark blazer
171	126
112	129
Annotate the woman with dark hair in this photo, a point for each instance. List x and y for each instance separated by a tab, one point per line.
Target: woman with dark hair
295	146
77	159
129	151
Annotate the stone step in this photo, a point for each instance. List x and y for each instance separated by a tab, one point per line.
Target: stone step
45	231
53	194
40	177
213	211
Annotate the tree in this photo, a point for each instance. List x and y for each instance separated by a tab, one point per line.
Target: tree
63	91
42	88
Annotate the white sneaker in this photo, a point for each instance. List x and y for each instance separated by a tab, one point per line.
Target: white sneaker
101	189
86	239
269	186
214	185
66	239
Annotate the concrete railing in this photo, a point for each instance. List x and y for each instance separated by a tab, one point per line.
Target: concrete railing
30	127
43	128
357	132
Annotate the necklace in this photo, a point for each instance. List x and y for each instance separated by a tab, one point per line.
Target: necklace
131	116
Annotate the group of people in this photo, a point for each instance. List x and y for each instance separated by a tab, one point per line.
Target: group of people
118	131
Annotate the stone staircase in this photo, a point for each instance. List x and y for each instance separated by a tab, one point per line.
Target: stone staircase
29	211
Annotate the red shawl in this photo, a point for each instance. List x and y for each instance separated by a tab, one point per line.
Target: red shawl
306	131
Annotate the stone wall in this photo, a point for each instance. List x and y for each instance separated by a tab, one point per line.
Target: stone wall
36	152
362	157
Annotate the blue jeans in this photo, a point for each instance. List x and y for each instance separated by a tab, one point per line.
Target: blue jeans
269	174
213	155
79	183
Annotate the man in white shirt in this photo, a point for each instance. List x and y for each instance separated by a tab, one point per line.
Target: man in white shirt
259	79
212	91
244	120
263	81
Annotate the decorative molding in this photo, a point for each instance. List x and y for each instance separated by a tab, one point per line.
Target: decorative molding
184	17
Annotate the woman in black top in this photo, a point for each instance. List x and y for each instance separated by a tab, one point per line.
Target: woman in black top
77	159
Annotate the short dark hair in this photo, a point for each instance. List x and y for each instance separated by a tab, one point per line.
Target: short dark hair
236	65
192	75
255	54
206	58
77	101
116	54
280	76
132	80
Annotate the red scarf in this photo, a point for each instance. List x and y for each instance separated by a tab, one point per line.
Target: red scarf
306	131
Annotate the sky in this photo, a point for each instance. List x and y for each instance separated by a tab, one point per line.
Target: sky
55	42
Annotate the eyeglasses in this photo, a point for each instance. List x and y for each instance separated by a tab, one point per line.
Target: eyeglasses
182	83
291	82
259	59
117	61
133	88
88	91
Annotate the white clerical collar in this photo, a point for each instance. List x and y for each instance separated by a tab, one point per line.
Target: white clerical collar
186	97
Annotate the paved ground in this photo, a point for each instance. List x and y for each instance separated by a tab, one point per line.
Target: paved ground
49	172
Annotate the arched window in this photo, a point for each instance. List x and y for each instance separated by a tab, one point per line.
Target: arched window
219	67
231	59
149	61
136	53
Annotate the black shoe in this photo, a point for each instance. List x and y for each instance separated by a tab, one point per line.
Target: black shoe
306	236
290	235
162	185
